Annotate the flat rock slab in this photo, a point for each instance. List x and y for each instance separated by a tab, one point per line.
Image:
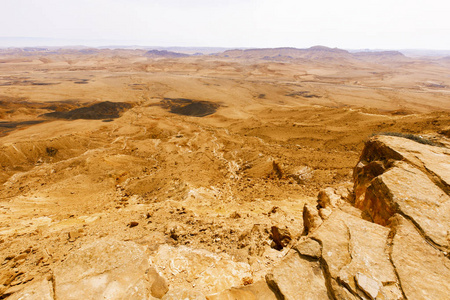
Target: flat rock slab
298	278
185	294
42	290
206	271
256	291
424	272
433	159
105	269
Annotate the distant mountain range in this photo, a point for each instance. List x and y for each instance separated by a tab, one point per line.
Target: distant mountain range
26	42
285	53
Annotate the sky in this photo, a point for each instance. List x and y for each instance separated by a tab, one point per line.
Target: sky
348	24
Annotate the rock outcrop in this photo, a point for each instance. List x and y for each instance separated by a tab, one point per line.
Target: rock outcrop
398	175
392	245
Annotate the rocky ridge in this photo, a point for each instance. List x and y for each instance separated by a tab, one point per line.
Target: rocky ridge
388	239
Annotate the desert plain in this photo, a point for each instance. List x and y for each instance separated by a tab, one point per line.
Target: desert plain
206	151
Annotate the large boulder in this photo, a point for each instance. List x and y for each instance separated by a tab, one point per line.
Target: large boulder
380	150
398	175
408	191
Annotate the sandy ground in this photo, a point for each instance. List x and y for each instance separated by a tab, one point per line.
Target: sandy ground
278	132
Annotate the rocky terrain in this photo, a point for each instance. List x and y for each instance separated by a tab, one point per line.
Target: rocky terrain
128	176
389	240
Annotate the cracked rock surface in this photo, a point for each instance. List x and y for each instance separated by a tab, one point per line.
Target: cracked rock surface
392	245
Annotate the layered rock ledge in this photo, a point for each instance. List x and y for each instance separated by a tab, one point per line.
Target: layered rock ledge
389	240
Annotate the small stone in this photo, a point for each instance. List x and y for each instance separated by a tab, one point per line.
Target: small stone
274	210
235	215
247	280
368	285
73	235
175	231
327	198
324	213
281	237
159	286
311	219
309	248
133	224
20	257
17	281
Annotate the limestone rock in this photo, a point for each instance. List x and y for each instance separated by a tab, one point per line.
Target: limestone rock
185	294
380	151
298	278
431	159
42	290
159	286
6	277
363	174
324	213
257	291
368	285
309	247
341	292
104	269
352	245
311	218
73	235
407	190
424	272
328	198
208	272
281	237
399	175
232	294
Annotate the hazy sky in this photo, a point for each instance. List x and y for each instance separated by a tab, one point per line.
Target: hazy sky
387	24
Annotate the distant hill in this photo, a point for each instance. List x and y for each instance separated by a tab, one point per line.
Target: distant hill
164	53
313	53
317	52
379	56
